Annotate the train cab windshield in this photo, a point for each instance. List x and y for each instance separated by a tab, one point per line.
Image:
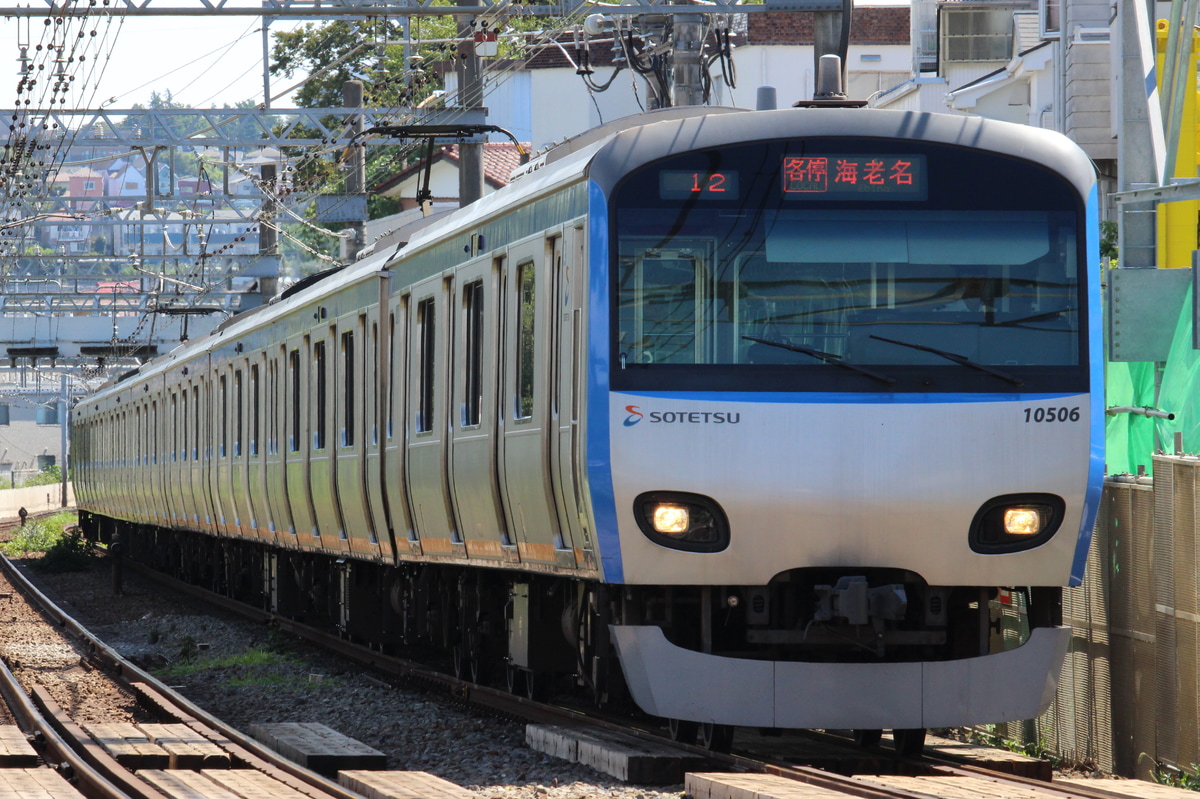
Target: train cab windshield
848	266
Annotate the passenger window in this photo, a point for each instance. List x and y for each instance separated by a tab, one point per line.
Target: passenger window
294	433
223	409
320	418
526	310
425	327
348	372
473	344
237	413
183	417
254	409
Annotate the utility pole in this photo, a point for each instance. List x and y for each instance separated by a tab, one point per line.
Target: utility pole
356	174
268	239
470	96
686	53
62	421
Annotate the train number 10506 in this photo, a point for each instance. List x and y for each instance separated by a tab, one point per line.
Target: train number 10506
1051	415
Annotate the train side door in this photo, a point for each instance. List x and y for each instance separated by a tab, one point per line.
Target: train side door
570	289
280	524
394	433
375	391
239	461
220	457
208	451
350	440
427	445
324	420
194	419
256	451
528	344
473	420
296	442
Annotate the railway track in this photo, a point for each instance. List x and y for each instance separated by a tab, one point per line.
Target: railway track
901	779
85	710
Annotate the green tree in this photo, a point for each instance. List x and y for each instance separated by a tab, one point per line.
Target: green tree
368	50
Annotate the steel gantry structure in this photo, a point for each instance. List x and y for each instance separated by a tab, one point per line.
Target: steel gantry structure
173	276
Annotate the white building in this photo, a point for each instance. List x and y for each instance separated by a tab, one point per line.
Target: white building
1044	63
545	101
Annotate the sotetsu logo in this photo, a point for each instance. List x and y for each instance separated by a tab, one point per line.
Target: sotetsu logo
680	417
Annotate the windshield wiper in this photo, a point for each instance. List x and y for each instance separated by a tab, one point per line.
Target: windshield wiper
951	356
820	355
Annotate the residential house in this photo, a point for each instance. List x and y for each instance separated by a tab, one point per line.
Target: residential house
499	160
125	181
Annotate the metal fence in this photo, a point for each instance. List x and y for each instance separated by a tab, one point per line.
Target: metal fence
1129	694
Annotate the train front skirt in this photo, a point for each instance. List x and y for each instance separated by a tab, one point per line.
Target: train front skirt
672	682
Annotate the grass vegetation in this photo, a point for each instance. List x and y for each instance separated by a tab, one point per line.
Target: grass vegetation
1176	777
56	538
270	666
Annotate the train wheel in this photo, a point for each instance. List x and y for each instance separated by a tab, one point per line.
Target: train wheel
683	731
512	679
459	656
716	737
867	738
909	743
537	686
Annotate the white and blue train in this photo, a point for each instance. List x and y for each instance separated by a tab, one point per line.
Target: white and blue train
749	416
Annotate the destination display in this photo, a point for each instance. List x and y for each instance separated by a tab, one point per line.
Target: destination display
854	177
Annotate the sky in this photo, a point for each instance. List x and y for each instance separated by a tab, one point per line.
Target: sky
202	61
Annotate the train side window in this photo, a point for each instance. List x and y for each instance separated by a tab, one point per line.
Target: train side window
425	327
526	330
348	374
157	444
272	408
254	409
294	373
374	364
391	382
320	420
473	313
196	413
174	426
183	417
237	413
223	409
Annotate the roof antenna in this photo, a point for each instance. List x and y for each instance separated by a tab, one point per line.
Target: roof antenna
829	78
828	93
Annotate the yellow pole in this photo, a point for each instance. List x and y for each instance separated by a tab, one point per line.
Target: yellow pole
1179	223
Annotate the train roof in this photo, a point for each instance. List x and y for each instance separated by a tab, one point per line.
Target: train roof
630	149
606	154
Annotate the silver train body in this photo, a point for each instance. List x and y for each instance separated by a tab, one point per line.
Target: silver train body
758	416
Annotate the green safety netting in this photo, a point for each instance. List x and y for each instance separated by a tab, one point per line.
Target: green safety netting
1130	439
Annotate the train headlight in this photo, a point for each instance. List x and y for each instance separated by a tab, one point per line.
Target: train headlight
679	520
669	518
1025	520
1014	522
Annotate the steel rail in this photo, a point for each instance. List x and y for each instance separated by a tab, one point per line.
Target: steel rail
246	749
520	708
56	749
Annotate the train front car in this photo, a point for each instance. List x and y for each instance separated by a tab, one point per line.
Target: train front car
851	398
